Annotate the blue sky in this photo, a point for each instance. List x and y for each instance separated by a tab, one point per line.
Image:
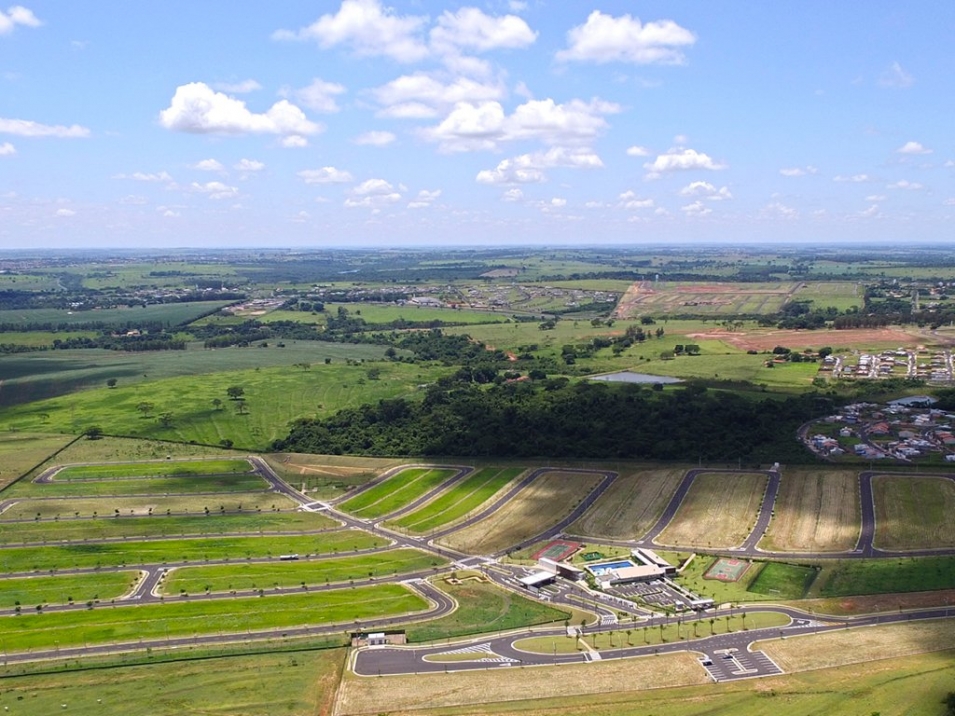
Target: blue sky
360	123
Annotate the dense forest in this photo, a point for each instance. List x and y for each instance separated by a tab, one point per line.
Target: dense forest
556	418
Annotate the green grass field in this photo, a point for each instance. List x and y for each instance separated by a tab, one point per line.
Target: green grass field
223	578
221	484
782	581
396	492
274	396
173	314
21	452
302	683
161	551
152	469
28	592
163	526
885	576
182	617
484	608
467	495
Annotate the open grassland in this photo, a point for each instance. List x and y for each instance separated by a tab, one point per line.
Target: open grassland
110	449
73	507
630	506
396	492
885	576
483	608
294	684
152	469
21	452
782	581
223	578
273	397
914	512
778	580
501	690
910	686
79	588
328	476
817	510
206	616
218	484
376	314
542	504
459	500
859	644
162	551
718	512
132	528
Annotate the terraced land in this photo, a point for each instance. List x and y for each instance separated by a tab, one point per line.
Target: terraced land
161	551
630	506
223	578
209	616
914	512
459	500
816	510
397	491
718	512
540	505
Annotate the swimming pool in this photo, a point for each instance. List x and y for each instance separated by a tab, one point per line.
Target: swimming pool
599	570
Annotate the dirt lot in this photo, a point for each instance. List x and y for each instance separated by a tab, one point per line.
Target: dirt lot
395	694
817	510
546	501
718	512
630	506
767	340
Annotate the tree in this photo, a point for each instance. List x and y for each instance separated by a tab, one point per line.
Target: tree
235	392
242	408
165	419
217	403
111	383
93	432
145	408
226	443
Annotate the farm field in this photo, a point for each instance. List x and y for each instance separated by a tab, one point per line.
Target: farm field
630	506
79	588
817	510
186	618
161	551
302	683
914	512
223	578
543	503
161	525
483	608
718	512
72	507
171	314
274	394
396	492
459	500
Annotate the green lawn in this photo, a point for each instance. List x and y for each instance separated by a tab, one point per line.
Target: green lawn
28	592
224	578
162	526
157	487
118	554
473	491
885	576
179	618
783	581
483	608
396	492
152	469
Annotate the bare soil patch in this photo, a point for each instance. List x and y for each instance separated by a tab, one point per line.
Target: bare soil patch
630	506
854	645
719	511
816	510
543	503
796	339
397	694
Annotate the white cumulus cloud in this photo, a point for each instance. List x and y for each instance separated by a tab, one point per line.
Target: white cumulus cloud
214	189
375	139
896	78
320	95
209	165
7	150
199	109
326	175
680	159
65	212
294	141
531	168
905	184
424	199
630	200
512	195
27	128
249	165
604	38
913	148
779	210
469	28
798	171
637	151
855	178
147	177
369	28
243	87
697	208
373	194
706	190
422	96
17	15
